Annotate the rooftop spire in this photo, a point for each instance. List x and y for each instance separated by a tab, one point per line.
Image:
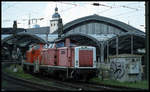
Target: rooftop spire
56	9
56	14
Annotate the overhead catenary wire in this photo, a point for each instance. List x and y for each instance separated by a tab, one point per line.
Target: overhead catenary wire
104	10
7	6
114	6
70	3
129	12
66	9
110	7
124	6
74	6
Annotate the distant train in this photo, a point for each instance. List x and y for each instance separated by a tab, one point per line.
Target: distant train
67	62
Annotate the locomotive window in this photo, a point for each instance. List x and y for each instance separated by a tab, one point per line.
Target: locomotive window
72	44
36	47
51	45
62	52
61	44
45	46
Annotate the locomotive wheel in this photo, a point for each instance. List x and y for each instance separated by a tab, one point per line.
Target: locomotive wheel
62	77
34	66
25	68
43	73
40	73
85	78
29	70
75	77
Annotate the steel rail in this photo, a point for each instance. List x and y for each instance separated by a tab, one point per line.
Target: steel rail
34	85
67	85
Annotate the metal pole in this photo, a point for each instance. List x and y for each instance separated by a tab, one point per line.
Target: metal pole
131	44
102	58
107	50
47	37
117	45
147	38
102	52
15	47
98	65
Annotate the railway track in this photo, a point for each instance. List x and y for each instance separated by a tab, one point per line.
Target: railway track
13	85
87	86
57	85
73	84
62	85
32	85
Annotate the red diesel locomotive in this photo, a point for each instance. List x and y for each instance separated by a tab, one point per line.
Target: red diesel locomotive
77	62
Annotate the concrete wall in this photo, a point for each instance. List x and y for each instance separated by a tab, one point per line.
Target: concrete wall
125	67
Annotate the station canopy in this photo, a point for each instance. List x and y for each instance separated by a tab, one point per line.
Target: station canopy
22	39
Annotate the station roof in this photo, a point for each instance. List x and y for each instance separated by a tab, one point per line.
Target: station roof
95	17
10	30
23	39
82	39
92	39
40	30
124	38
124	43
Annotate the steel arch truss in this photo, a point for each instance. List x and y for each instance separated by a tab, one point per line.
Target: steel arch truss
83	40
127	43
23	38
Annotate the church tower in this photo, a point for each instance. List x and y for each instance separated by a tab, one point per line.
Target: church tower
54	22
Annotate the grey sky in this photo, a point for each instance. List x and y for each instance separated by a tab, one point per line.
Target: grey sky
127	12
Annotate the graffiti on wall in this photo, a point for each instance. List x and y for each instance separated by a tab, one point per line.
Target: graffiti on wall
117	69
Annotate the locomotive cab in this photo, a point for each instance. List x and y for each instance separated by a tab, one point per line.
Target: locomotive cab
33	52
81	60
85	57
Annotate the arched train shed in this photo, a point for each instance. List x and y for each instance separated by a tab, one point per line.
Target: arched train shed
22	41
108	35
23	38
